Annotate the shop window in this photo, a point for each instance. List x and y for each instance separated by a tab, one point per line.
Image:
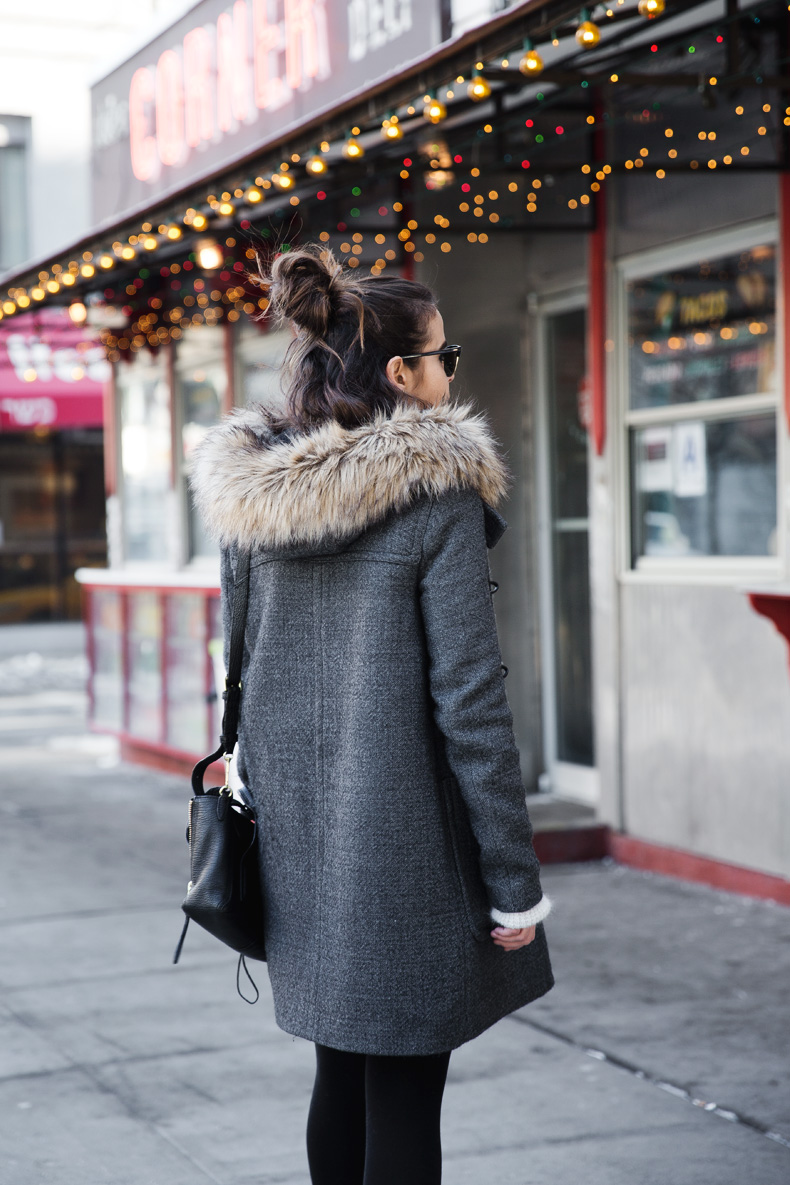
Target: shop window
702	409
201	378
144	411
106	623
144	656
186	658
51	520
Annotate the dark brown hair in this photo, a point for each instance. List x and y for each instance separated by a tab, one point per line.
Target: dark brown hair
347	329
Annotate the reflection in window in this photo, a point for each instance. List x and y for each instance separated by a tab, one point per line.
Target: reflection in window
145	455
703	332
705	488
200	391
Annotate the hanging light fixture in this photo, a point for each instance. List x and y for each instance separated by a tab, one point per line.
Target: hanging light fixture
434	110
352	149
651	8
531	64
209	255
479	88
391	129
316	165
587	32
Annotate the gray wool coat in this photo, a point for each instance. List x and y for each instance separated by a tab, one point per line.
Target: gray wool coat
375	735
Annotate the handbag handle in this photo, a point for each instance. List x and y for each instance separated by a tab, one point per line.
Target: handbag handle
232	693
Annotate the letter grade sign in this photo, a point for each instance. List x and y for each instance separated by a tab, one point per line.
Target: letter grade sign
227	77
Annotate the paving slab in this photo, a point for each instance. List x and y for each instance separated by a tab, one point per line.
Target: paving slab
685	982
117	1068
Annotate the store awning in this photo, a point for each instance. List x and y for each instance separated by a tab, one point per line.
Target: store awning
52	374
700	62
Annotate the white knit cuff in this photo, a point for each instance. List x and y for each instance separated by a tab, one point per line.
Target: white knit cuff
521	921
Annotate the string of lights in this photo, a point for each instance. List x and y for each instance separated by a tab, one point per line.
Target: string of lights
223	284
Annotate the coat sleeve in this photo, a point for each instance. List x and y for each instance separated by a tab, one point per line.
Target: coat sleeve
471	708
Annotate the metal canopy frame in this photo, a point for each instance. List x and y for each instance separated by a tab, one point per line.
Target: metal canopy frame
537	19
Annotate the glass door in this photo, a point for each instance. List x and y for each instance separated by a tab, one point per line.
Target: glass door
565	576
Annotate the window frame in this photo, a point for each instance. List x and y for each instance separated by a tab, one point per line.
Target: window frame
730	570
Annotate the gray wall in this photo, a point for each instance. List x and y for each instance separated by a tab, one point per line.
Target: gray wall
692	687
706	725
482	297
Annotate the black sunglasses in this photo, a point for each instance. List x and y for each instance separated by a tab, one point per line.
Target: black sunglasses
450	356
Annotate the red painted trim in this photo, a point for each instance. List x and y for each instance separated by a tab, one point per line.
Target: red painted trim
110	418
775	608
211	590
784	273
638	853
170	762
157	747
572	845
596	320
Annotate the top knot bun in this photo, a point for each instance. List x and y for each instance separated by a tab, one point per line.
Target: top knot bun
307	287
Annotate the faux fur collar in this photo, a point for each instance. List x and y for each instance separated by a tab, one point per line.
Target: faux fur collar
259	490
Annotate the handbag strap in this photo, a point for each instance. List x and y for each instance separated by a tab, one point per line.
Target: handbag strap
232	693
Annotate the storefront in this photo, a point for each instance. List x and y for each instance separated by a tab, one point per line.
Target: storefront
52	510
603	209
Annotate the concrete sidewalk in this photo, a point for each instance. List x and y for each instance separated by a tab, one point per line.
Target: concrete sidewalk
660	1057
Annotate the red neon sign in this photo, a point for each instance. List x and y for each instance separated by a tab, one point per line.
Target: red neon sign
220	74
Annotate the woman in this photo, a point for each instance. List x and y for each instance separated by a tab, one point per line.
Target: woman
402	891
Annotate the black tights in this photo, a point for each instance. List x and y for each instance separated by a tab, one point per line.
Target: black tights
375	1120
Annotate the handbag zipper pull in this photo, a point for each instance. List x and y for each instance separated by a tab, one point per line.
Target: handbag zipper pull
227	758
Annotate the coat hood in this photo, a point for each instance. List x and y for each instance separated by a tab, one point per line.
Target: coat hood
321	489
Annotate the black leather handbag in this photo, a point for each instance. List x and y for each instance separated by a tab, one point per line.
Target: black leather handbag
224	892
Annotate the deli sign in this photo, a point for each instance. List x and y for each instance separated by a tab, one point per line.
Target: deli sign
228	77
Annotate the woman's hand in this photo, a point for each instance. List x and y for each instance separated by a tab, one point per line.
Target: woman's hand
513	939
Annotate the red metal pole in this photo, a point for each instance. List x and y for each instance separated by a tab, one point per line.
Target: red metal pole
784	272
596	318
110	435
